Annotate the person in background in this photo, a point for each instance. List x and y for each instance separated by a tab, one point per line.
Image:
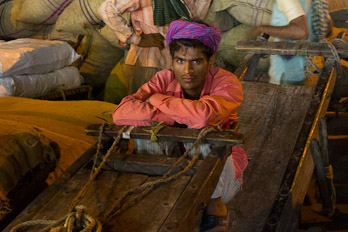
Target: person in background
145	33
291	20
195	94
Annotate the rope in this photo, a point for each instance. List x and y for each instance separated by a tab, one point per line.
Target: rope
154	131
78	220
83	191
76	215
320	18
120	204
310	65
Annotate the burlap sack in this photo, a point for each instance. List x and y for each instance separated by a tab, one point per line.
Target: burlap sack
10	27
42	11
249	12
50	33
109	35
78	14
221	19
99	57
229	57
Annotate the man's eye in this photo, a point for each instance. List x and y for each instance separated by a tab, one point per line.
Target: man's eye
196	61
180	61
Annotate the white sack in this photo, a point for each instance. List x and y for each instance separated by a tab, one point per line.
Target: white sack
32	86
34	56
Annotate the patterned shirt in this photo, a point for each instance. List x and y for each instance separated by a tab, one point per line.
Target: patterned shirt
141	11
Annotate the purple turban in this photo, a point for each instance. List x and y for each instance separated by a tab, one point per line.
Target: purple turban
209	36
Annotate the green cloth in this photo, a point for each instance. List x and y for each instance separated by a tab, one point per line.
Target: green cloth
166	11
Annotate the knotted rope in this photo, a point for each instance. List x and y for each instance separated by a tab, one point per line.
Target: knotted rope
120	204
154	131
78	220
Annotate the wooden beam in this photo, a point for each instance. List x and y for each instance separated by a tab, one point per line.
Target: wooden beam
151	165
173	134
300	48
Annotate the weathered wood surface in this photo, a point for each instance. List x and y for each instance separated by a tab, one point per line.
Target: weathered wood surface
301	48
271	117
276	121
172	206
172	134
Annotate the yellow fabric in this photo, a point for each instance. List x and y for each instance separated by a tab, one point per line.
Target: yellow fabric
61	121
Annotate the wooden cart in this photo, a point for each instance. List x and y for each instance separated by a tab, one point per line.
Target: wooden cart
278	123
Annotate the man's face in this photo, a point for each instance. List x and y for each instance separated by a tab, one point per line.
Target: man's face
190	68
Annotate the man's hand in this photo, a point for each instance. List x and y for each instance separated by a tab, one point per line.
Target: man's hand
151	40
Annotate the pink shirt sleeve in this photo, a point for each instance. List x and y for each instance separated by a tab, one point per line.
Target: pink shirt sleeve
134	110
209	110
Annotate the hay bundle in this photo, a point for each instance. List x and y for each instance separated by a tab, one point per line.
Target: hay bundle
42	11
78	14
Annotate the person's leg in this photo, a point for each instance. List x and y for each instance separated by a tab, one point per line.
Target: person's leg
216	212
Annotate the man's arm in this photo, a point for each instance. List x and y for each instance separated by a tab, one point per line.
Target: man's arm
209	110
297	29
136	110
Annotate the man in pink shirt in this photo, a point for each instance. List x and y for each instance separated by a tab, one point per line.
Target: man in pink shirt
149	22
195	94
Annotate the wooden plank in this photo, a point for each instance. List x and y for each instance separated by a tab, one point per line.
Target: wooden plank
271	118
150	212
189	207
301	48
173	134
151	165
295	176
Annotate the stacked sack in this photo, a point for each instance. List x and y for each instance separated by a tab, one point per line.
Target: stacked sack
236	18
76	22
31	67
